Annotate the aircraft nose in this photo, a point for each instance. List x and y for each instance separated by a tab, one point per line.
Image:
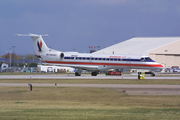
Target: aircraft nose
160	66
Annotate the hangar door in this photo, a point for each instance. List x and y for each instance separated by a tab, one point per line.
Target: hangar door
160	59
169	60
177	60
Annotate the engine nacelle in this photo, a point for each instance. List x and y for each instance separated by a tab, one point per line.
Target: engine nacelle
61	55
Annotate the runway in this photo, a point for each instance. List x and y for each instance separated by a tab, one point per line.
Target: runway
85	76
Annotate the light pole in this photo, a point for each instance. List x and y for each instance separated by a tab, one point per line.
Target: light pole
10	58
13	56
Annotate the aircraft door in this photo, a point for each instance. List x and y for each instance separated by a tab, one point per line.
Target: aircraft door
90	59
128	62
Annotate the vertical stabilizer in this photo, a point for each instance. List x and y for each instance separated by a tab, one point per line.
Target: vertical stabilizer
39	44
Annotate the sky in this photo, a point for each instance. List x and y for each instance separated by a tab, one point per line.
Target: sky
74	25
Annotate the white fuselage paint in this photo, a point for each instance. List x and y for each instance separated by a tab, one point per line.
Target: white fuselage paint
97	62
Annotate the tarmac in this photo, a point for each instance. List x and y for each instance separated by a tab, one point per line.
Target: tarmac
130	89
85	76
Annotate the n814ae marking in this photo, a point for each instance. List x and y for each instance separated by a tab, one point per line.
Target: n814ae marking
90	62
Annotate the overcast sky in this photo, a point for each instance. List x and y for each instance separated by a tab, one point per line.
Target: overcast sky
78	24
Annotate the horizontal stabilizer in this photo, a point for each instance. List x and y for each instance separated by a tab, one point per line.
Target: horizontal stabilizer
31	35
39	44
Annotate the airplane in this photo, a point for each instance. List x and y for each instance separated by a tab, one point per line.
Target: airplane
90	61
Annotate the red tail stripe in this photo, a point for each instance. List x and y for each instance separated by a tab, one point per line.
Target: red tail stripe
41	44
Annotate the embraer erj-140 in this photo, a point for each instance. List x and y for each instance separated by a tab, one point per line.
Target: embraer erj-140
90	62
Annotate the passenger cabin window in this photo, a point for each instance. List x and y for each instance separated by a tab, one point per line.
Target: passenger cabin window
111	59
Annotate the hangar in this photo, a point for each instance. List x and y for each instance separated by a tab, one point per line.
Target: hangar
165	50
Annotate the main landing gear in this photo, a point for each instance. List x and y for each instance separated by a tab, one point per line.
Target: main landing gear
94	73
77	74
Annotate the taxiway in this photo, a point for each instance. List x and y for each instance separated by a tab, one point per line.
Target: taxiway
72	76
130	89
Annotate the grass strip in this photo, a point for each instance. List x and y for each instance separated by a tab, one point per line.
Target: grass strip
18	103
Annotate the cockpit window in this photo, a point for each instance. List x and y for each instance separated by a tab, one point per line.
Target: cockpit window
142	59
146	59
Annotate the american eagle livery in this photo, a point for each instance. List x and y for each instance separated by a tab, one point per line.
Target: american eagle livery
90	62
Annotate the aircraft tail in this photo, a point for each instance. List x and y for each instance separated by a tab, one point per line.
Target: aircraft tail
39	44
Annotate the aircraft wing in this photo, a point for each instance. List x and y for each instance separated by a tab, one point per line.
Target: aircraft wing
84	67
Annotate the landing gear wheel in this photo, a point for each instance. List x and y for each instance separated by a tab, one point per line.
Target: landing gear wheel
152	74
94	73
77	74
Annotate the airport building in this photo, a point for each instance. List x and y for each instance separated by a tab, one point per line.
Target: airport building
2	59
165	50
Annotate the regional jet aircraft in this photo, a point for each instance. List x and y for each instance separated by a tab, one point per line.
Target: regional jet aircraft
90	62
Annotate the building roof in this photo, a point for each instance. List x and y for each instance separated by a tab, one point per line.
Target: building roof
138	45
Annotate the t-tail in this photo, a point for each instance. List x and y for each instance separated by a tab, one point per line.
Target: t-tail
39	44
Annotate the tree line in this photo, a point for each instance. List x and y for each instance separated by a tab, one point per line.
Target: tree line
17	57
